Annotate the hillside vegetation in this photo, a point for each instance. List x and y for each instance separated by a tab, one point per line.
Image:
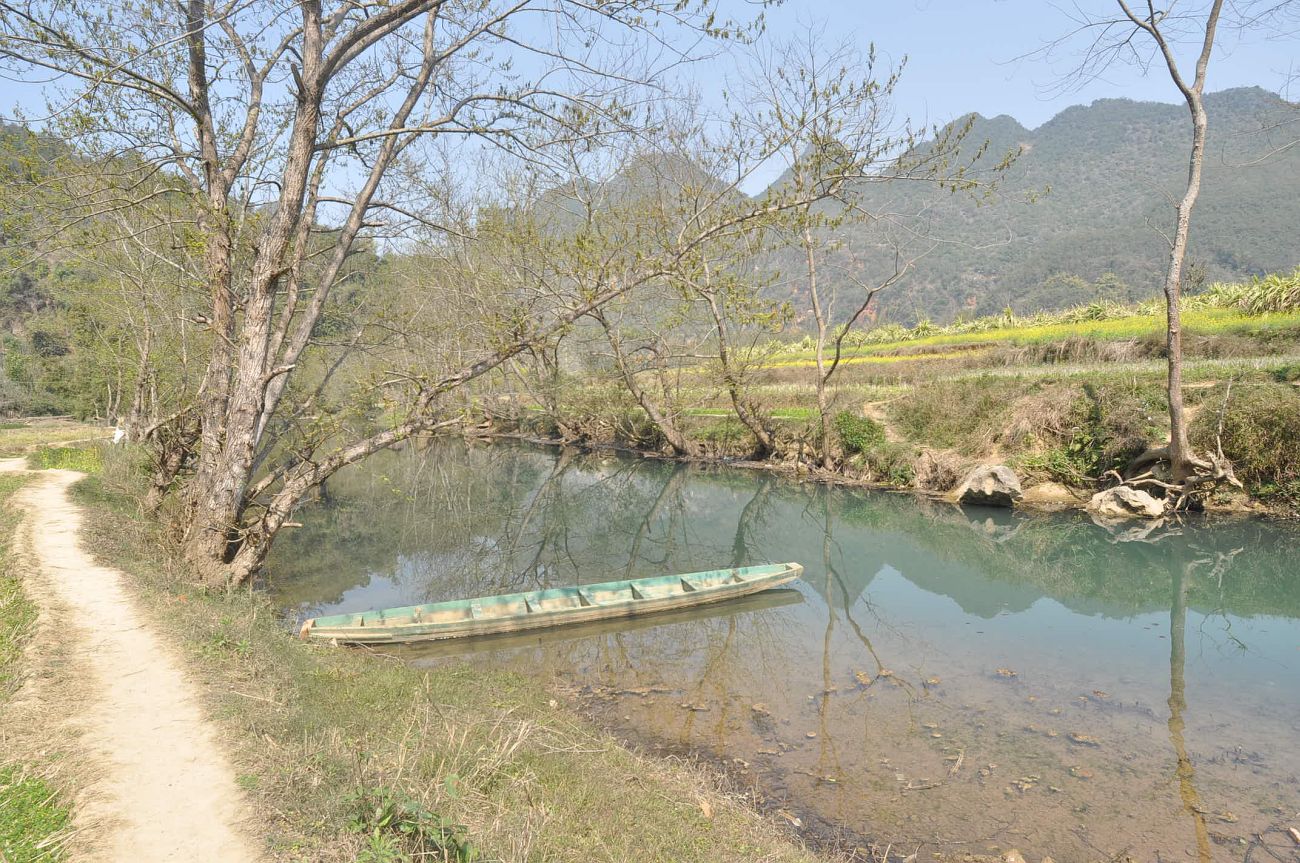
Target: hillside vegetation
1073	220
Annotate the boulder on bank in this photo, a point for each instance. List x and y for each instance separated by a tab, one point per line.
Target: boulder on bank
1124	501
989	485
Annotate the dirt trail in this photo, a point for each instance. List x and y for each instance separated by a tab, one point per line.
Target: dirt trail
161	788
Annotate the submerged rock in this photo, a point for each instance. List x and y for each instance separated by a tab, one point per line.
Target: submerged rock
990	485
1123	501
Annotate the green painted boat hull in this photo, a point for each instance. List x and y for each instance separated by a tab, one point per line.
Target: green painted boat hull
516	612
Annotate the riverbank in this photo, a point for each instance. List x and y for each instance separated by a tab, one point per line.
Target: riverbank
354	756
350	755
1060	404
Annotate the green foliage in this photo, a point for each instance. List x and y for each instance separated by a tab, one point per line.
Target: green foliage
893	463
883	460
83	459
1106	428
1261	436
858	434
1273	293
31	818
399	829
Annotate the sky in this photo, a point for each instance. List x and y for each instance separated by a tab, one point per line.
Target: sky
962	54
973	55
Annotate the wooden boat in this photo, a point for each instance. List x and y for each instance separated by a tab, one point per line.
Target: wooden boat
417	652
514	612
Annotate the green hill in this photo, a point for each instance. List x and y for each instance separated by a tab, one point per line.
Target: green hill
1106	173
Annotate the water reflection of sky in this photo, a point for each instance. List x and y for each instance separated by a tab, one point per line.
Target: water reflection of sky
1035	629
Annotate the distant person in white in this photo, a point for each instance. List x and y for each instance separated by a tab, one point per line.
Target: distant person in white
119	435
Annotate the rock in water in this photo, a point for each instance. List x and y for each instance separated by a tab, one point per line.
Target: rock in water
1125	502
990	485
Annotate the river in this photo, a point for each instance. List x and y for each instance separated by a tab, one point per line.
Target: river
940	679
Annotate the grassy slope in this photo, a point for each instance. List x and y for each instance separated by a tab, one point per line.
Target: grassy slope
352	756
32	816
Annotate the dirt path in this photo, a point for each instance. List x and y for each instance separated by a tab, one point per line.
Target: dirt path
161	788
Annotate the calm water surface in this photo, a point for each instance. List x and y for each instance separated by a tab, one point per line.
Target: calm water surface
963	680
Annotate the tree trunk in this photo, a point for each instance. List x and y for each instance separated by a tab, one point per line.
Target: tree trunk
826	456
233	403
1182	463
205	524
750	418
676	439
169	456
1180	455
135	418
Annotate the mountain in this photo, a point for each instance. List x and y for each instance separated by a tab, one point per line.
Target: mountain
1087	198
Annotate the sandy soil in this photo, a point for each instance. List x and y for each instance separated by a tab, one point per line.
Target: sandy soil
159	786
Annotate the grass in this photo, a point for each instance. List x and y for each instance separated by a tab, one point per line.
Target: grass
84	459
33	816
32	819
353	756
17	614
20	438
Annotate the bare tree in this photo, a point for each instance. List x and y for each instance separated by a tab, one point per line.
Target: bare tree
650	369
1141	34
736	306
278	118
1182	462
835	132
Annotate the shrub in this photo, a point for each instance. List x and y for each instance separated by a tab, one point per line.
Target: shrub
398	828
1273	293
894	463
963	414
1102	428
84	459
858	434
938	470
1260	436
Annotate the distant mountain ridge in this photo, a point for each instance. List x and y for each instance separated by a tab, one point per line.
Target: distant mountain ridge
1105	170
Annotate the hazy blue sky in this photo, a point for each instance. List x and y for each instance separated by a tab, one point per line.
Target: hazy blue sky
961	54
